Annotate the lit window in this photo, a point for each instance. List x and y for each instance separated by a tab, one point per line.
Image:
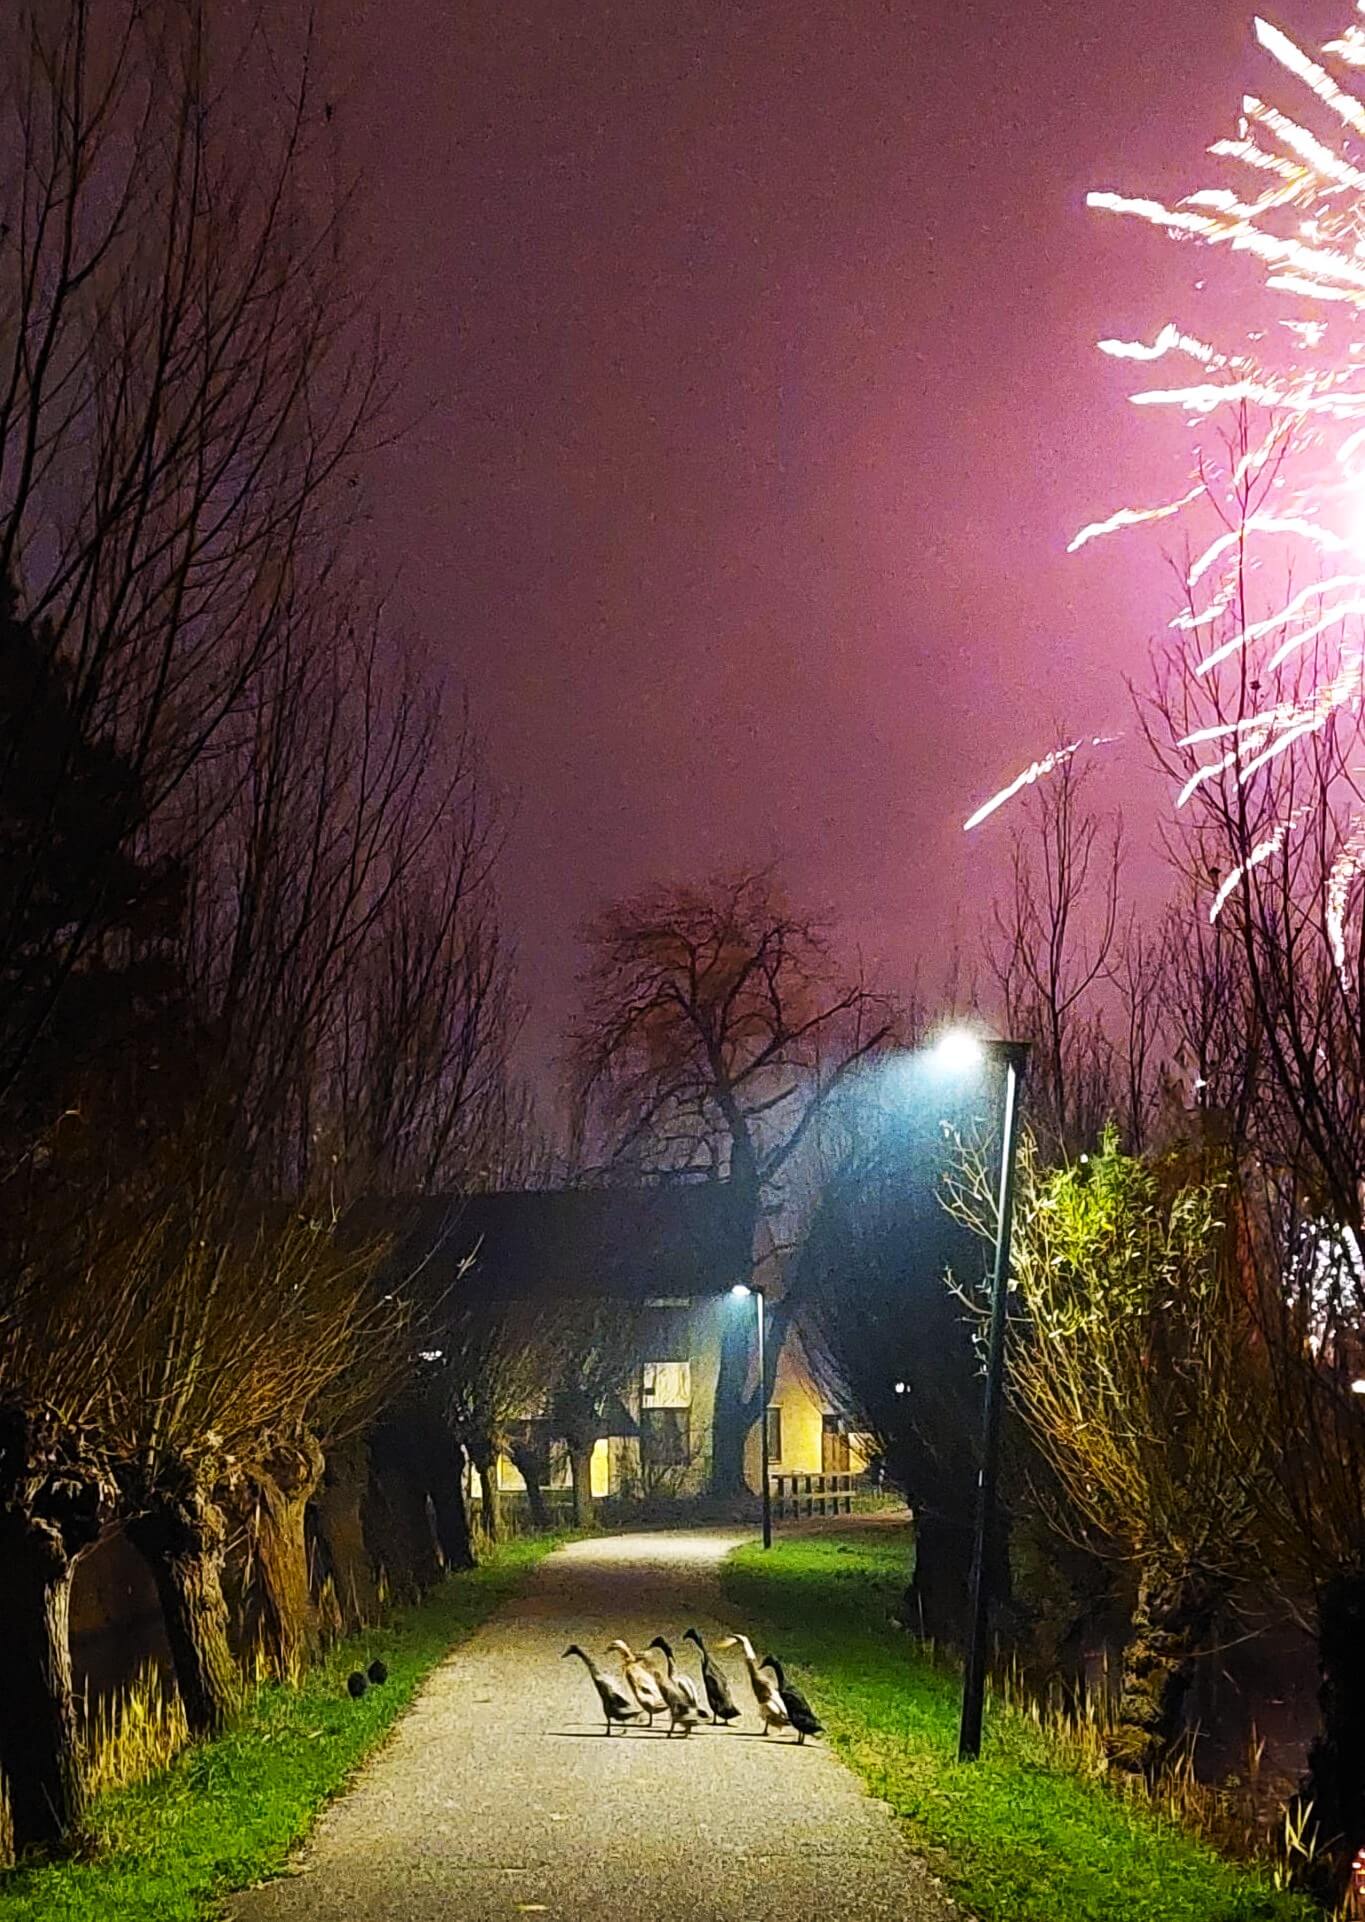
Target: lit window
666	1384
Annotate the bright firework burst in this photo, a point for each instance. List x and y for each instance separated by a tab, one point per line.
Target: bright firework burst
1295	481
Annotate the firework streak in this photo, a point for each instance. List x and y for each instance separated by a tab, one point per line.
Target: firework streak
1277	424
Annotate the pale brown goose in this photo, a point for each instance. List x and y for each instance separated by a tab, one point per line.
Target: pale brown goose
683	1682
767	1694
644	1683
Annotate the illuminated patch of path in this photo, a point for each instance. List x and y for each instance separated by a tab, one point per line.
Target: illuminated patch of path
500	1796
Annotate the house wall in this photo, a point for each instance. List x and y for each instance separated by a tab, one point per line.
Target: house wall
803	1422
616	1466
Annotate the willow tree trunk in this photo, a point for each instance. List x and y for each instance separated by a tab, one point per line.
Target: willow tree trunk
935	1603
1335	1783
1172	1621
439	1465
490	1495
580	1468
337	1510
284	1483
39	1752
182	1536
533	1465
452	1523
436	1461
56	1490
397	1525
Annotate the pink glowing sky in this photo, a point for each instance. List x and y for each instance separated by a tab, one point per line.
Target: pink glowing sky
751	347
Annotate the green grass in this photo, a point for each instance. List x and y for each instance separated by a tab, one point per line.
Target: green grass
229	1812
1015	1836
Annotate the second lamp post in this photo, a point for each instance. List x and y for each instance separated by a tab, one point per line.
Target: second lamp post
744	1288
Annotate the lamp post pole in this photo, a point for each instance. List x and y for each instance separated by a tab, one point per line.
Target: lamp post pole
763	1420
1015	1056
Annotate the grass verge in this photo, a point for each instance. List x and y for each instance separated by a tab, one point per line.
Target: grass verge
1016	1837
228	1812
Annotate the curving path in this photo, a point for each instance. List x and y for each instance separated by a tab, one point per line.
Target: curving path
500	1796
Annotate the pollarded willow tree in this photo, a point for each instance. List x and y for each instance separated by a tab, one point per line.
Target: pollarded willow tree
1135	1362
501	1360
252	1336
717	1025
247	936
57	1490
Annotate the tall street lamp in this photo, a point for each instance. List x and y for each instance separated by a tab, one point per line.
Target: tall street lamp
744	1288
959	1050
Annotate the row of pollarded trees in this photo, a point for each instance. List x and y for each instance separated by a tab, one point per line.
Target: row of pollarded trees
1190	1290
249	957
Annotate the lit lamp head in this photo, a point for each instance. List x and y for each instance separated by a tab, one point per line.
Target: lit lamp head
958	1051
741	1288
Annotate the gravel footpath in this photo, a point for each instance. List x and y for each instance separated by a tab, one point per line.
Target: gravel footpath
499	1794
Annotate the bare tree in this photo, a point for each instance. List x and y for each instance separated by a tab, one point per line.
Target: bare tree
180	390
1052	952
716	1028
1262	737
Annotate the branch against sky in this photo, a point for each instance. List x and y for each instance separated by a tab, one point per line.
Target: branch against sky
1052	950
184	383
716	1024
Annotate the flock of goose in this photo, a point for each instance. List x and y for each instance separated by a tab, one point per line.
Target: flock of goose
657	1686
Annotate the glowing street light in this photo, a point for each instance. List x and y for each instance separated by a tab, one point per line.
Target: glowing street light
744	1288
959	1051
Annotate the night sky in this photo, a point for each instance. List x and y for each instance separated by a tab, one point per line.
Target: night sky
751	349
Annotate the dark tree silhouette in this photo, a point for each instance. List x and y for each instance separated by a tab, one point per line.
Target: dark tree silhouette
717	1026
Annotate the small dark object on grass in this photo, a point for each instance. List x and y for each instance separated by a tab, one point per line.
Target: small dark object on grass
356	1685
378	1671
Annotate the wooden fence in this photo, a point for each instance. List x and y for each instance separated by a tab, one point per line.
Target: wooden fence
797	1495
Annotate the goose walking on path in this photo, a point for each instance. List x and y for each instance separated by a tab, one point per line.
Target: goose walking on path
718	1696
767	1694
642	1677
616	1704
799	1711
643	1683
683	1682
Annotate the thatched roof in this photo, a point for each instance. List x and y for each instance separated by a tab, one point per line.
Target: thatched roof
671	1240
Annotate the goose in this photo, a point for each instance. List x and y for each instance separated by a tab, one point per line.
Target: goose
666	1692
718	1694
684	1682
616	1704
771	1707
643	1683
799	1711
